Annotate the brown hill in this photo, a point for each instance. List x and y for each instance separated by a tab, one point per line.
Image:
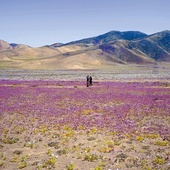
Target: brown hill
103	51
4	46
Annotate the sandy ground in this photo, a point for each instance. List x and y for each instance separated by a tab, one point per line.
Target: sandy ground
113	73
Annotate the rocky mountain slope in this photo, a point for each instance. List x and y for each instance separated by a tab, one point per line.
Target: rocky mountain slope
101	51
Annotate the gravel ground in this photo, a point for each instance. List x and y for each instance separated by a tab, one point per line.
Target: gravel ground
69	75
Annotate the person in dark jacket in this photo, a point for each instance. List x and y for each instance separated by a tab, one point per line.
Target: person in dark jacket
90	79
87	82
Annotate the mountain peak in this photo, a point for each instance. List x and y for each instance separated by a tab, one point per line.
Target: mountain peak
111	36
4	45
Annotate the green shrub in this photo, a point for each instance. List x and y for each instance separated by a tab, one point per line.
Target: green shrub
158	160
91	157
22	165
91	138
50	162
105	149
70	166
139	138
10	140
62	152
161	143
98	168
2	163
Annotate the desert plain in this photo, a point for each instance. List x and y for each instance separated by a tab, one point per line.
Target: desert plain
51	120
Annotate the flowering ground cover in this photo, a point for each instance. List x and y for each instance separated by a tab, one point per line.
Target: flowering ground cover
64	125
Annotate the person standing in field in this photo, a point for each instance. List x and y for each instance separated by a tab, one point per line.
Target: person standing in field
87	82
90	79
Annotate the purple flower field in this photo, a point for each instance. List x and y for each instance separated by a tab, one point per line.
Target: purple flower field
66	125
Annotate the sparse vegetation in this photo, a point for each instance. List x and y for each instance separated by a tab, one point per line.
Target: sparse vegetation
50	163
110	125
158	160
91	157
70	166
161	143
22	165
2	163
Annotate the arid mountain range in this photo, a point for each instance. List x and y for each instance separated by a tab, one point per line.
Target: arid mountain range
103	51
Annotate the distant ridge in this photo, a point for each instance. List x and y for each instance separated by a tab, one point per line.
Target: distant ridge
101	51
112	36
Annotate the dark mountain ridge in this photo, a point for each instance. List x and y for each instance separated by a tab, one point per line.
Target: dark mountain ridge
111	36
116	43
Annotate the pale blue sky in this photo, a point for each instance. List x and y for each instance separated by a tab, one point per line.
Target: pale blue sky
44	22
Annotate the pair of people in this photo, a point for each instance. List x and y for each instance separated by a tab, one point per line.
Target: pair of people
89	80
